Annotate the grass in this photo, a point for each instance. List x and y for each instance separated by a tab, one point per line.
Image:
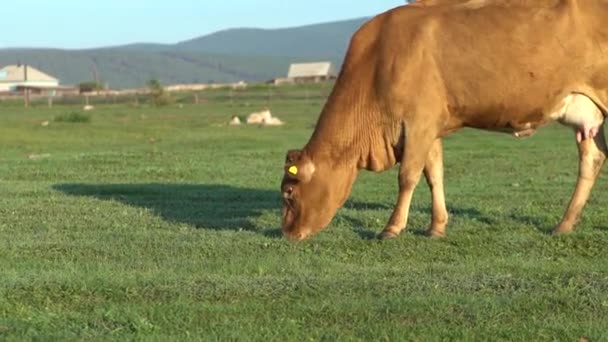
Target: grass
162	224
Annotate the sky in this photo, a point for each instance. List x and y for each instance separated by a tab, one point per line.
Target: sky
81	24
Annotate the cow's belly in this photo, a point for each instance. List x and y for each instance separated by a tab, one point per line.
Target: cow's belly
575	110
518	123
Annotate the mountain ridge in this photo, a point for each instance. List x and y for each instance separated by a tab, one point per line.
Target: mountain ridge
249	54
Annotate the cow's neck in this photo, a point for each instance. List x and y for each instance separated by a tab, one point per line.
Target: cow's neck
348	132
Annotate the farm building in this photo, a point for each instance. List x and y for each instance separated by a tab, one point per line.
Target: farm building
311	72
13	76
17	78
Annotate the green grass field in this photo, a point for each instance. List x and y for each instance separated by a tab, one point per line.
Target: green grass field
163	224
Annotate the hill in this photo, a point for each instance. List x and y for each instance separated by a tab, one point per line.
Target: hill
328	40
225	56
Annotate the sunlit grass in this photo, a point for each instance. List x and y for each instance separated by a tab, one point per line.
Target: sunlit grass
149	223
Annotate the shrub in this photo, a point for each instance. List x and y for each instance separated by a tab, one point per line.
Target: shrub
73	117
158	96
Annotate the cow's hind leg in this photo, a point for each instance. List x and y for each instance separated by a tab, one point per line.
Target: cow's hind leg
592	154
433	172
418	143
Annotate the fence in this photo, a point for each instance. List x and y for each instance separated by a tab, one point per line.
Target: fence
259	93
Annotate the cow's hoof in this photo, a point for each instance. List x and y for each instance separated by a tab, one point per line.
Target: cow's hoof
386	235
435	234
560	231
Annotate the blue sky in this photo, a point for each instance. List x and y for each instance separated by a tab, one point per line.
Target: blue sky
77	24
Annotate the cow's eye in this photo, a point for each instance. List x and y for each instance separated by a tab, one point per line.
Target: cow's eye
289	190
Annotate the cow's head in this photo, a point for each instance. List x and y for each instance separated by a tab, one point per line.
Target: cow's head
312	193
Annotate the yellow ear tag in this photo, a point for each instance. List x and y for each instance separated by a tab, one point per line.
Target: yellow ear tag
293	170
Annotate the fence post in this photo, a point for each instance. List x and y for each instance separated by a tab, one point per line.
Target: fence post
26	96
269	96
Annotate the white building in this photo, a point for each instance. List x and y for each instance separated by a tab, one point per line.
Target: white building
311	72
13	77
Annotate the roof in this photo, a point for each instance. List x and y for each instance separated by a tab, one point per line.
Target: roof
16	73
318	69
45	87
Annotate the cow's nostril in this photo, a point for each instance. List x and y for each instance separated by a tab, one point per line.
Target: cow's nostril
295	236
302	235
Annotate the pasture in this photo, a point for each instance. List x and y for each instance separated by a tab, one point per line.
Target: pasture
163	224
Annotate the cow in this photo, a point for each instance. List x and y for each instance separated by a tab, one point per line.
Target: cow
418	72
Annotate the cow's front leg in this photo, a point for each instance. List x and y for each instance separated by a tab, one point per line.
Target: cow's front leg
592	154
414	159
433	172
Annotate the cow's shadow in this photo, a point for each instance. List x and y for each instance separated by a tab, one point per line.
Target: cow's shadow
204	206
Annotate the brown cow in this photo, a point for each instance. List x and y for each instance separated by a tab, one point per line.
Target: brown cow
416	73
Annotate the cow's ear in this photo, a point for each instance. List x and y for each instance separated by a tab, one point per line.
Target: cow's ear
293	156
301	169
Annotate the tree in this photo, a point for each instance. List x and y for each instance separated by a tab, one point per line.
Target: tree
158	95
90	86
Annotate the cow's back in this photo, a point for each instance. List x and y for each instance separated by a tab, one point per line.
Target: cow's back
457	48
492	61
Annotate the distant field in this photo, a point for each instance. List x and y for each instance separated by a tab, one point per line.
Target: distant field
163	224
